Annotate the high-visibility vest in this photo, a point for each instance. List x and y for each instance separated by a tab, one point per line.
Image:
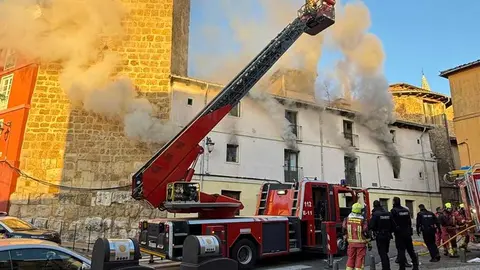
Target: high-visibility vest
356	230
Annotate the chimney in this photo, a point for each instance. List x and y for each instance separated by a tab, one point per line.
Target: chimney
298	81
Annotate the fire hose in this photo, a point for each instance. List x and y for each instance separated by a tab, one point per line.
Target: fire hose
423	253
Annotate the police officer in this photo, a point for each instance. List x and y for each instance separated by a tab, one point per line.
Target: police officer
428	225
382	226
403	234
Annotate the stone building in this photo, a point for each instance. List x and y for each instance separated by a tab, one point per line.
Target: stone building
465	86
60	147
422	105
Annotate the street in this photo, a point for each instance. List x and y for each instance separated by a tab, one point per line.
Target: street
312	261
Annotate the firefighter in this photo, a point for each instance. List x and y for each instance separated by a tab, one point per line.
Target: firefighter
449	230
381	225
438	235
428	225
403	234
463	223
356	229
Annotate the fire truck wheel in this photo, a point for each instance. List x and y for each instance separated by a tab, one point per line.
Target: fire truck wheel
245	253
342	247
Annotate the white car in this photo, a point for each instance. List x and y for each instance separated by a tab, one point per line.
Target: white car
22	253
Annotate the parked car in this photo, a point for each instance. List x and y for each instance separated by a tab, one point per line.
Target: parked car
39	254
12	227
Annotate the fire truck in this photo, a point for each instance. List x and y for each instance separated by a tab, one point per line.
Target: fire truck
468	181
305	215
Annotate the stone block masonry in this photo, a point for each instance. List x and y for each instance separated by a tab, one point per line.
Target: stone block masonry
71	147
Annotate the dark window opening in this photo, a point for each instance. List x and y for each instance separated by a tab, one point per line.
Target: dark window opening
384	203
232	194
235	111
394	138
350	171
232	153
292	118
409	205
291	168
190	101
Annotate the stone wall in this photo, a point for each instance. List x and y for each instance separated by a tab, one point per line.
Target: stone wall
72	148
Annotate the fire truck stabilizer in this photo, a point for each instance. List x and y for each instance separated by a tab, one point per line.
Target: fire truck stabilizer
172	167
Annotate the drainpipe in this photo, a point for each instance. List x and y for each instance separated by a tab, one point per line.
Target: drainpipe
204	144
425	167
378	172
322	170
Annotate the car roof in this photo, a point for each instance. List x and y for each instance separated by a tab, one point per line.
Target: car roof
25	242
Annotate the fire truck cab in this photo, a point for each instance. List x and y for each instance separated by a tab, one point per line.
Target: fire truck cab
295	217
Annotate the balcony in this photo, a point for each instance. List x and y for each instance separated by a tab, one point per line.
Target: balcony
353	179
297	131
292	174
352	139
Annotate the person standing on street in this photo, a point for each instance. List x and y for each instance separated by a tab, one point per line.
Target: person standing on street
438	235
463	223
449	224
381	224
403	234
428	225
356	228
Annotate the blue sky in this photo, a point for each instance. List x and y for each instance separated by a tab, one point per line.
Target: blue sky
429	34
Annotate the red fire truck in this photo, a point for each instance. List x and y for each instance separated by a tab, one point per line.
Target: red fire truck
468	181
290	217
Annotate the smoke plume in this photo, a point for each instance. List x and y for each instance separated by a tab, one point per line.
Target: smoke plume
74	33
360	75
252	24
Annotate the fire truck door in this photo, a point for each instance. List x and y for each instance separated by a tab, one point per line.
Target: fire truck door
218	230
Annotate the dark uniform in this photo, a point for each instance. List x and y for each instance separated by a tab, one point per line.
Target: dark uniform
428	225
403	234
382	226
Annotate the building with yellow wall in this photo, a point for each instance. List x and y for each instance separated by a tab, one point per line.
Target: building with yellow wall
465	88
422	105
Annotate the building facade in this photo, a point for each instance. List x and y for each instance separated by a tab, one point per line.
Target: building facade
422	105
464	86
249	148
73	162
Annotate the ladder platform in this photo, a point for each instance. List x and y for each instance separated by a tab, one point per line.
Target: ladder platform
198	205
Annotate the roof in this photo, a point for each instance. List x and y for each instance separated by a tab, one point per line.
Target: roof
401	89
449	72
343	111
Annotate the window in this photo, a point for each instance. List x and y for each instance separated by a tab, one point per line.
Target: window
396	172
351	170
232	153
394	138
190	101
409	205
420	175
291	117
384	203
5	88
232	194
291	166
348	132
235	111
10	59
42	258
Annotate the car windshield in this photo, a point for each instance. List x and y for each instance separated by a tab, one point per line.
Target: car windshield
17	224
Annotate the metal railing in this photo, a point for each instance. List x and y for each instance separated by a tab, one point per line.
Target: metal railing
352	139
292	174
297	131
353	179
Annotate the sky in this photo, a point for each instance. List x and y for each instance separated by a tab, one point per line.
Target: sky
428	35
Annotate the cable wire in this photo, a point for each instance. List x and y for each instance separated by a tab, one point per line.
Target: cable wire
46	183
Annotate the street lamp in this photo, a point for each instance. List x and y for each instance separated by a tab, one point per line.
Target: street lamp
468	152
210	145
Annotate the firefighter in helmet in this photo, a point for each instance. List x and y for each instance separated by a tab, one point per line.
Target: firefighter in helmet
449	223
463	223
358	238
438	235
